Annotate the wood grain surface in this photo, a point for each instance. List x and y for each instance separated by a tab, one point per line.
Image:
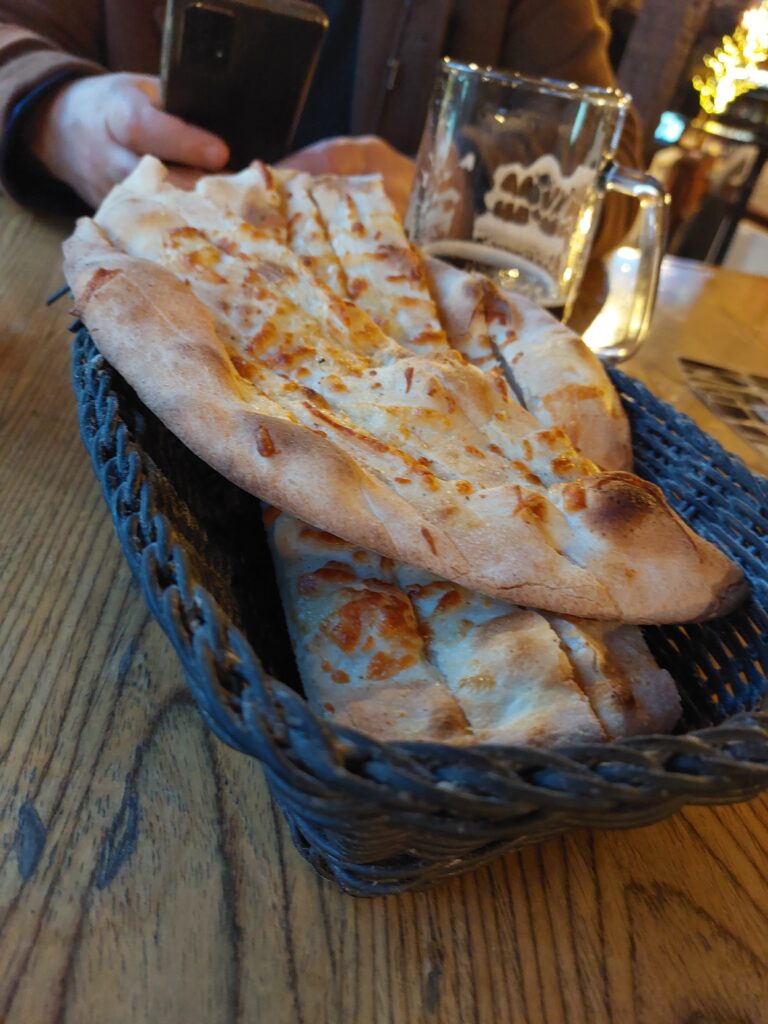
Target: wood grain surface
145	874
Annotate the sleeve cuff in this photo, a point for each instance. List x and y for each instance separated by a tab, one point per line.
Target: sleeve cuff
23	177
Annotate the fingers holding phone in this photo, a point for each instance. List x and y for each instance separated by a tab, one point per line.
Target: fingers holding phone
135	122
241	69
92	132
234	70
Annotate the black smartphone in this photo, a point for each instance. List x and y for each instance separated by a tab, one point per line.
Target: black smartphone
241	69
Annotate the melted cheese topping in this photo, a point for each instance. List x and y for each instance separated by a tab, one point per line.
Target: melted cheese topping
384	274
324	361
307	236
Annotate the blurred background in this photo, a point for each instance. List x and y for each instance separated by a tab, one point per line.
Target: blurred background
698	73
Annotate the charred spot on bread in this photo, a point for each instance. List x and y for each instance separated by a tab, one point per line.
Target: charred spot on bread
451	599
242	366
526	473
425	337
335	383
470	449
574	497
531	506
617	502
315	399
96	281
320	536
499	383
565	463
334	572
429	539
264	442
554	437
384	666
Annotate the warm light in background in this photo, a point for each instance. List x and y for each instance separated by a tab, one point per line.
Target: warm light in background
731	65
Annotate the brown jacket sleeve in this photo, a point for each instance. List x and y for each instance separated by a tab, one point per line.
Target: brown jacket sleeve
39	38
568	39
41	42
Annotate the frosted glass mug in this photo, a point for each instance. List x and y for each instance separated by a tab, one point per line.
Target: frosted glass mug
511	175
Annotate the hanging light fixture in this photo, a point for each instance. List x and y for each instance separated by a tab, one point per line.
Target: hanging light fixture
731	69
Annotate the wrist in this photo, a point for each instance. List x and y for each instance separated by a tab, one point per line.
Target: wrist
42	133
24	175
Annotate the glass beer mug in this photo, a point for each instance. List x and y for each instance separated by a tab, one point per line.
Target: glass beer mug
510	178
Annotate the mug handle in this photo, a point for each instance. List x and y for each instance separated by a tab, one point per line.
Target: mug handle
654	222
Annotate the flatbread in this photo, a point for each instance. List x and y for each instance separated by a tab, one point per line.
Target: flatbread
384	274
398	654
612	664
325	416
561	381
505	665
518	677
349	234
357	642
307	236
551	371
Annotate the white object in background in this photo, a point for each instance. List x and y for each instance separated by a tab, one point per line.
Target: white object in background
748	251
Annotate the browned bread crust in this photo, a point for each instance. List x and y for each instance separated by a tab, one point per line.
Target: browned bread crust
599	546
560	381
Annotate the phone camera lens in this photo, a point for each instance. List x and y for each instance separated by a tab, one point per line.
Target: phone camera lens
207	39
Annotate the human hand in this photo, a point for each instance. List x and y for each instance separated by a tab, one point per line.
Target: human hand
366	154
92	132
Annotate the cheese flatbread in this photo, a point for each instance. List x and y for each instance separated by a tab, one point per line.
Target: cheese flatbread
358	646
329	418
518	677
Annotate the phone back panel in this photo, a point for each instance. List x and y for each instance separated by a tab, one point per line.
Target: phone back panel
241	69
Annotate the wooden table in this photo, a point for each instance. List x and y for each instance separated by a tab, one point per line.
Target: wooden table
145	874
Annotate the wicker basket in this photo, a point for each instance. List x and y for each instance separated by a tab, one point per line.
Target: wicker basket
382	818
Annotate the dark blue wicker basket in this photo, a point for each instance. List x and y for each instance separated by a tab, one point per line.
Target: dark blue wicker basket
383	818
